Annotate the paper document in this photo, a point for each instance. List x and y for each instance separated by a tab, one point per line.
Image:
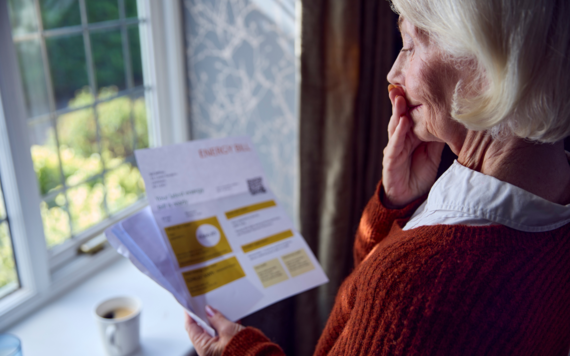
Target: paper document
214	233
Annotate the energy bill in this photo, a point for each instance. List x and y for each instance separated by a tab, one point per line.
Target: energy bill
214	233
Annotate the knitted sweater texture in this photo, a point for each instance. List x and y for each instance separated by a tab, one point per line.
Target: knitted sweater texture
444	290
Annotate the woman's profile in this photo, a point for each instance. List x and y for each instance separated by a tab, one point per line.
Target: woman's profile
477	261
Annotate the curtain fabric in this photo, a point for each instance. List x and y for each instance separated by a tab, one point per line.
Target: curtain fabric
347	49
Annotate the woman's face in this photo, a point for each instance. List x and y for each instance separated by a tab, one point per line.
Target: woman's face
429	82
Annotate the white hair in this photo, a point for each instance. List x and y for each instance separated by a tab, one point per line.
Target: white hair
522	51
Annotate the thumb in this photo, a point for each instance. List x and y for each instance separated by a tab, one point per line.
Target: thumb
224	327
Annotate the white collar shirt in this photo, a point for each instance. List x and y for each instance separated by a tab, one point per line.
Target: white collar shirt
462	196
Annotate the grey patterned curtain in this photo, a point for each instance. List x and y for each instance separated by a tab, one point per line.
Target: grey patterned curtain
348	47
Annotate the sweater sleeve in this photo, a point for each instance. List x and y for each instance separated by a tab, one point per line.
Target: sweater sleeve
252	342
376	222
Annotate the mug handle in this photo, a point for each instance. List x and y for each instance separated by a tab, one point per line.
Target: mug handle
110	333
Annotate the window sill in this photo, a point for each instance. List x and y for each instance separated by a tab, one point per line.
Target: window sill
67	326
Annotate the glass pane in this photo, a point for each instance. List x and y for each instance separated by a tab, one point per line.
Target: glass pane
136	59
22	17
124	187
8	275
60	13
2	207
45	157
131	8
108	59
102	10
141	123
33	77
79	148
117	139
56	220
86	204
68	67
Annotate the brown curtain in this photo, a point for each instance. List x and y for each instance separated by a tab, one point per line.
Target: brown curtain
347	49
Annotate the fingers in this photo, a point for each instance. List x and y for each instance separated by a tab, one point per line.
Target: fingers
219	321
397	141
399	108
225	328
199	338
192	328
394	91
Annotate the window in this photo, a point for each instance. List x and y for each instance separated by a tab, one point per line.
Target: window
84	83
9	281
81	69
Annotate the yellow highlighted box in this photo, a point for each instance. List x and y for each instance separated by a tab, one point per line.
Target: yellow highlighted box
206	279
185	241
250	209
267	241
270	273
298	262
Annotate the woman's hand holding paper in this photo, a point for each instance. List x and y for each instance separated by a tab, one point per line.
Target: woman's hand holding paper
206	345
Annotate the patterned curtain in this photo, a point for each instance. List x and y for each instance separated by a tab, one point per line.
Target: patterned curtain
240	57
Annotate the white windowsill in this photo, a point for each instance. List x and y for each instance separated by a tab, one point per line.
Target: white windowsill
67	326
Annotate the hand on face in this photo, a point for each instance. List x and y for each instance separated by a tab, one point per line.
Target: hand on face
409	167
206	345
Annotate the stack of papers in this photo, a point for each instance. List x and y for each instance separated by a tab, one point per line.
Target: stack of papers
214	233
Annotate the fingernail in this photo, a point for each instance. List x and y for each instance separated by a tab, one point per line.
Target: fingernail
210	311
391	87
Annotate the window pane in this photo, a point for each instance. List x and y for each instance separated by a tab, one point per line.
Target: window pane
22	17
56	220
141	123
107	51
131	8
86	204
117	136
45	156
33	77
136	59
2	207
68	67
124	187
83	153
60	13
8	274
79	148
102	10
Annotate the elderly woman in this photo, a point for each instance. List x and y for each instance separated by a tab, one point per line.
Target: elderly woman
477	262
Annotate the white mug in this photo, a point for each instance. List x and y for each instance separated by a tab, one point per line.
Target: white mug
119	324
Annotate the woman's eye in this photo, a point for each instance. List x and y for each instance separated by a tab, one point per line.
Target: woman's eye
404	50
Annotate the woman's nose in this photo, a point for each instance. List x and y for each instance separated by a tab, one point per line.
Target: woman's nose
395	76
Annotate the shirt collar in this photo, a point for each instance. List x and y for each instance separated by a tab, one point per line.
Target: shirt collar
465	190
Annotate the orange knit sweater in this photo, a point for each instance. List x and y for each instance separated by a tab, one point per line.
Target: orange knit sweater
444	290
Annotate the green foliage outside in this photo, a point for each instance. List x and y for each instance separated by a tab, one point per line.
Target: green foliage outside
85	145
81	162
7	265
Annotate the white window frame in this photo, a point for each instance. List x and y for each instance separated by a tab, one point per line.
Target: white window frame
162	50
